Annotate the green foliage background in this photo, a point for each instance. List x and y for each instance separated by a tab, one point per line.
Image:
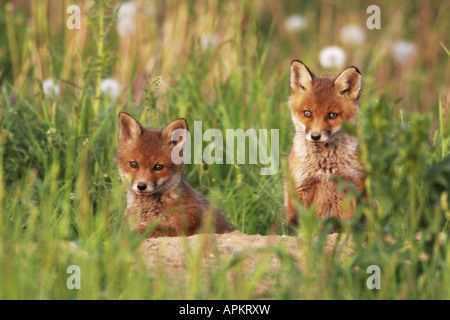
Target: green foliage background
61	199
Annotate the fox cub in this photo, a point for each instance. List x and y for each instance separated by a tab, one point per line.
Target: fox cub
157	196
321	150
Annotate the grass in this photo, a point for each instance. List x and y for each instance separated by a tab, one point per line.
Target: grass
61	199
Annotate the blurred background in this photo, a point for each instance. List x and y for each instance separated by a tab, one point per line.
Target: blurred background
225	63
149	39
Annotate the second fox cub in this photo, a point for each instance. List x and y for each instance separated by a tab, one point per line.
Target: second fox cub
157	196
321	150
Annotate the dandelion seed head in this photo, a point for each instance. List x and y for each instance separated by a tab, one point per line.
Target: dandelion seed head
295	23
50	88
125	26
403	51
332	57
127	10
110	87
352	34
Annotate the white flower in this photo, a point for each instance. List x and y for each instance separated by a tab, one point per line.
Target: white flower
332	57
353	34
51	131
111	87
295	23
50	88
127	10
207	40
125	26
403	51
158	81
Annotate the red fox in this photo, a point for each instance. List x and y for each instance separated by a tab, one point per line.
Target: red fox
321	150
157	196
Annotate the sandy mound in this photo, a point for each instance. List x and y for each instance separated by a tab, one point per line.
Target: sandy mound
173	256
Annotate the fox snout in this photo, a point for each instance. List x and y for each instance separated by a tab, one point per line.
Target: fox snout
149	187
141	186
315	136
321	136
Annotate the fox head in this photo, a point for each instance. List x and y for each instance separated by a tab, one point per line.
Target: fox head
145	156
319	105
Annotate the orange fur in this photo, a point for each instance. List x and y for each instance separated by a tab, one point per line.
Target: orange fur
321	150
157	196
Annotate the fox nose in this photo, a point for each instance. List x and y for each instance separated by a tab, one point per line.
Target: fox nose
315	136
141	186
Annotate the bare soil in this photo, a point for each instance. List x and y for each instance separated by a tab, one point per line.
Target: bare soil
173	256
183	261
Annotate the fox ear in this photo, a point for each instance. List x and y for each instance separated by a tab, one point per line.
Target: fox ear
348	83
129	128
301	78
175	132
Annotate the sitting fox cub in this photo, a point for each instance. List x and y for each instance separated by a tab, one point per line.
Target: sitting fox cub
157	196
319	105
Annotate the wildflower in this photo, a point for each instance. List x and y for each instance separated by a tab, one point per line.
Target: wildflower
353	34
125	19
111	87
50	88
127	10
125	26
332	57
158	81
403	51
295	23
51	131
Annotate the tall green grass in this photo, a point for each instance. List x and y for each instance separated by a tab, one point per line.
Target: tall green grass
62	202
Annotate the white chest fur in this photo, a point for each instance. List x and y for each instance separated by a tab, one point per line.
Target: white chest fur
317	161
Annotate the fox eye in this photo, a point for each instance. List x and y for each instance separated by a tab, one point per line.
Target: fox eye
307	113
332	115
158	167
133	164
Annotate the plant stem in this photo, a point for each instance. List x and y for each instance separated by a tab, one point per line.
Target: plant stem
12	45
100	58
441	129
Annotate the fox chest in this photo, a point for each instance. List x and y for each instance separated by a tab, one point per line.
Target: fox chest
162	215
321	164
